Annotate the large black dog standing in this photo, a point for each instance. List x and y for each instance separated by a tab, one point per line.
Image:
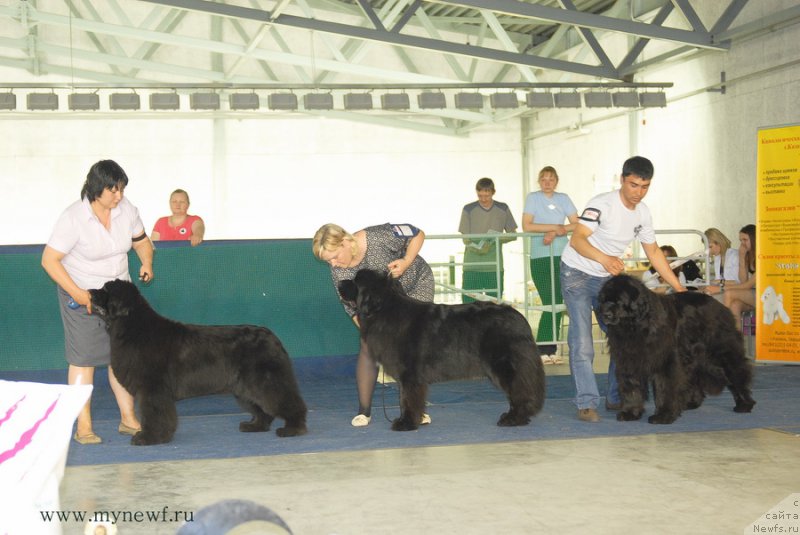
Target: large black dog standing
160	361
419	343
686	344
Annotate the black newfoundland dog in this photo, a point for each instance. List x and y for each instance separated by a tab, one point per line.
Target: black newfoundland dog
419	343
160	361
686	344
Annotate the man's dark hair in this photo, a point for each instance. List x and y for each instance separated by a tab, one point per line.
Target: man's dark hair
105	174
484	183
639	166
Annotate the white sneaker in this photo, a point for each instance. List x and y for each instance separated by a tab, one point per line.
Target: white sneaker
426	419
360	421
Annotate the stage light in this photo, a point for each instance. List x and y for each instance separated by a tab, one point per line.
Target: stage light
204	101
539	100
164	101
8	101
567	100
83	101
358	101
244	101
597	99
431	100
626	99
395	101
469	101
318	101
653	100
282	101
503	100
124	101
42	101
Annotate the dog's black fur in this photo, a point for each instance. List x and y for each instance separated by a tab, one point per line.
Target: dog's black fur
419	343
686	344
160	361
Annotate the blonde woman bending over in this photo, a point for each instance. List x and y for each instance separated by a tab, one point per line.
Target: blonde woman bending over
389	248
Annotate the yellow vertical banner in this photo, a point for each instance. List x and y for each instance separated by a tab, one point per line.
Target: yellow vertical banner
778	245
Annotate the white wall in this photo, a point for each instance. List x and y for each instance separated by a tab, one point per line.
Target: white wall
703	144
284	177
279	178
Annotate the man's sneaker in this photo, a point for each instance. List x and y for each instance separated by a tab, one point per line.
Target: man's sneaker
613	406
588	415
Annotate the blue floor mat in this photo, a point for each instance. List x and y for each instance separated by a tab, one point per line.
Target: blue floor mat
463	412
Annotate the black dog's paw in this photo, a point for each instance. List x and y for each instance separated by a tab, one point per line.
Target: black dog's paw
662	418
509	419
745	406
628	416
404	424
143	439
290	431
253	427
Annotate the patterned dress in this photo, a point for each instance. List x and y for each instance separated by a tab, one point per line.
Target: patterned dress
384	245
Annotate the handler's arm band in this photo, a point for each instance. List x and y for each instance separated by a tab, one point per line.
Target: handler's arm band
139	238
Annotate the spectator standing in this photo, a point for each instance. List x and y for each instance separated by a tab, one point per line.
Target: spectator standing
482	256
546	211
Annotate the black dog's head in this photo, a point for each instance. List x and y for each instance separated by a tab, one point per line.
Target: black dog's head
625	301
369	290
115	299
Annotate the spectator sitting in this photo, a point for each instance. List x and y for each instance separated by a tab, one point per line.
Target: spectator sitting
180	225
687	272
726	259
740	297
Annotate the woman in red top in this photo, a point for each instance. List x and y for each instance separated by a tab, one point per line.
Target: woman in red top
180	225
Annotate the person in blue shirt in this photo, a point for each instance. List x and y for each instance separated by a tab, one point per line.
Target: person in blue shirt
554	215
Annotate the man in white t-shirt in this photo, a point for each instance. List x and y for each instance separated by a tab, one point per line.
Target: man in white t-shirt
607	225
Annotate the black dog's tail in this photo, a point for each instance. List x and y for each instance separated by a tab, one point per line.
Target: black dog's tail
532	381
522	378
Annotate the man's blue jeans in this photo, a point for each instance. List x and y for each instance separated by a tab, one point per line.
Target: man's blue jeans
580	291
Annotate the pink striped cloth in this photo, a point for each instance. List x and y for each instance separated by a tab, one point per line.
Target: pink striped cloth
35	430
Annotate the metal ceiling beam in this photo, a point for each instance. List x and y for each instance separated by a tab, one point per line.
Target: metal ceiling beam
354	50
691	15
589	38
638	47
589	20
721	28
501	35
228	48
358	32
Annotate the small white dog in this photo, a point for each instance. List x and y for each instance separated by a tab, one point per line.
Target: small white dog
773	306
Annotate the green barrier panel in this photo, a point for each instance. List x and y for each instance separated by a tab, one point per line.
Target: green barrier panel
275	283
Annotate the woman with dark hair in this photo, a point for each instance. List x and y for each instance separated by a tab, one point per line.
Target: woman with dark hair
742	296
89	247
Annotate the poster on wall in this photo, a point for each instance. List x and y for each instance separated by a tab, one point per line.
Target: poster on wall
778	245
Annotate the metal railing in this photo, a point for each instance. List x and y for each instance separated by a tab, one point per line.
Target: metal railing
445	254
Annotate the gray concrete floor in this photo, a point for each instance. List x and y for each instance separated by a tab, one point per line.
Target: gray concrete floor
691	483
